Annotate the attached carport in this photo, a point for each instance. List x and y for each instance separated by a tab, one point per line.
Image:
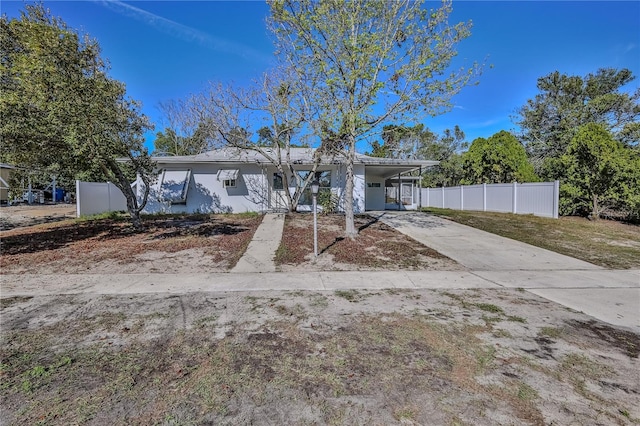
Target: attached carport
381	172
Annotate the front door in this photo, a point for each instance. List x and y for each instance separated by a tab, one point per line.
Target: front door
277	196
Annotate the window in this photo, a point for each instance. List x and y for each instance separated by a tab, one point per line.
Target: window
174	185
228	177
277	181
325	185
373	184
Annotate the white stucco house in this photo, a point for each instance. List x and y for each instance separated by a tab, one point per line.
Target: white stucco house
230	180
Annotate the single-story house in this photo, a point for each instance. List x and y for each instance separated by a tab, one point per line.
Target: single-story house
231	180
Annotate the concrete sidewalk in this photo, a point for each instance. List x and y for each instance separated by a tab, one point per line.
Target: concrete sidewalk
611	296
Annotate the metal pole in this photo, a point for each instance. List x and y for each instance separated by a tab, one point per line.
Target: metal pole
315	225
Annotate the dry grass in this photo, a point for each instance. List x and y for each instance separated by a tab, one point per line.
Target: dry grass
606	243
278	357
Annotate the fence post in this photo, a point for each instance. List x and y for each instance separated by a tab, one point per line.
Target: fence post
77	198
515	198
428	201
461	197
484	197
442	197
109	196
556	198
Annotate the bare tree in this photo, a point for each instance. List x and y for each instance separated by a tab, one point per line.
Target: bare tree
265	118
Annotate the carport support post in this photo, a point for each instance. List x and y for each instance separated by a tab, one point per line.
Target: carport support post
420	190
398	193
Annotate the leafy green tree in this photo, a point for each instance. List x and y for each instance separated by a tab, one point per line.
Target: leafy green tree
421	143
365	63
602	174
499	159
60	110
168	143
550	120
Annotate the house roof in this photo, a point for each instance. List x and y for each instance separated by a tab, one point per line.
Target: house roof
300	156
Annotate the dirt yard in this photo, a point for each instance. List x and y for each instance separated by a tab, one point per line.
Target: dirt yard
388	357
27	215
203	243
378	247
394	357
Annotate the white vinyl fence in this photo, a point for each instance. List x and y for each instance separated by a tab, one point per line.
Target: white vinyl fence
540	198
98	197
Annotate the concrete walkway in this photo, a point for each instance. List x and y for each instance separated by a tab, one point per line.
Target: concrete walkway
259	255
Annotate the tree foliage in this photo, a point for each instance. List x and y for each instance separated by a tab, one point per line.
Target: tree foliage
418	142
499	159
60	110
550	120
603	176
366	63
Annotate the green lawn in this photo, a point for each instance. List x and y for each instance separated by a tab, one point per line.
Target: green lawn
606	243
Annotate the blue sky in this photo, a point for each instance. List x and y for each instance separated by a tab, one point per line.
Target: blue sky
165	50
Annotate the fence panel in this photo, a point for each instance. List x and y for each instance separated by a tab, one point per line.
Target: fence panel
500	197
452	198
432	197
540	198
98	197
537	199
473	197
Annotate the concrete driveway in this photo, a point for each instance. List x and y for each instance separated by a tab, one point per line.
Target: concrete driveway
610	295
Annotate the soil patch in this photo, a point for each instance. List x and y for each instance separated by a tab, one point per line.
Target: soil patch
377	247
207	243
392	357
22	215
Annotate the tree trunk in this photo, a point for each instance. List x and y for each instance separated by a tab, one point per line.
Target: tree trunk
595	213
123	184
349	225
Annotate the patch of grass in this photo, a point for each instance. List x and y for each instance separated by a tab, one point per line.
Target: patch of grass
605	243
552	332
489	307
526	392
318	301
515	318
205	321
351	295
117	216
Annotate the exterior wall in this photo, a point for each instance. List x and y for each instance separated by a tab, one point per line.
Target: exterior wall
207	194
359	188
540	198
374	197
